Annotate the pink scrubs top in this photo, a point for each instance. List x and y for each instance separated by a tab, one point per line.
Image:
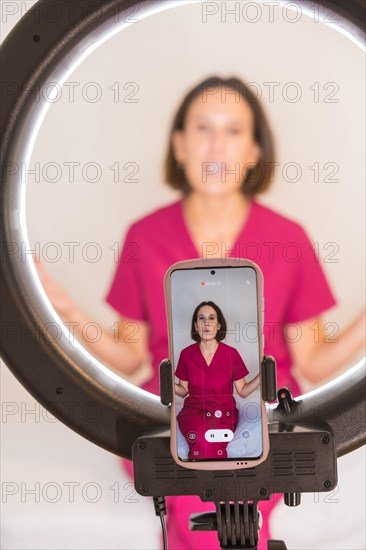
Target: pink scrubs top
295	289
295	286
210	404
210	386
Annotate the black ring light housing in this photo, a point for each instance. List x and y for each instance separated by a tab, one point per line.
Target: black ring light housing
64	377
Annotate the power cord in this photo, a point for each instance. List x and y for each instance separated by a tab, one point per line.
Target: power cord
160	510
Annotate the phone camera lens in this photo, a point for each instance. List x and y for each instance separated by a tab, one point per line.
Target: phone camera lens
213	272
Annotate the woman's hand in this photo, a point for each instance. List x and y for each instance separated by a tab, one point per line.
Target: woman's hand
245	388
254	383
61	302
323	357
181	390
124	356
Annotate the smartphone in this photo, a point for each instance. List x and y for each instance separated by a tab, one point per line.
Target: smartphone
215	315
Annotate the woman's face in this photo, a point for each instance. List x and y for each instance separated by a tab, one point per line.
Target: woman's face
217	145
206	323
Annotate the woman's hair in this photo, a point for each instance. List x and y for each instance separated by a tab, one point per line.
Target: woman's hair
221	333
258	178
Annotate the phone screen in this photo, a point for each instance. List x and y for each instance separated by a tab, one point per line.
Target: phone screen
216	353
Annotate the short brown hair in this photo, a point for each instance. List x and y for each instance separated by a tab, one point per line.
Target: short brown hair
221	333
258	178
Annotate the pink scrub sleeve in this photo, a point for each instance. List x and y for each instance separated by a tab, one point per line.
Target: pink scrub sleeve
181	371
239	368
311	293
126	292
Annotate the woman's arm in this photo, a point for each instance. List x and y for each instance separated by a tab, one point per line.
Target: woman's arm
245	388
181	388
124	349
318	355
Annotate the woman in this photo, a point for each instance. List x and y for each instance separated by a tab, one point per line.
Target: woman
210	404
220	156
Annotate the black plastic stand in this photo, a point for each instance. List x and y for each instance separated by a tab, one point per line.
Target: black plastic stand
301	458
237	525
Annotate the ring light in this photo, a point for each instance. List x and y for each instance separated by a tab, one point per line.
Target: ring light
63	376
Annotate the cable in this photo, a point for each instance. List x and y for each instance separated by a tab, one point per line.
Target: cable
160	510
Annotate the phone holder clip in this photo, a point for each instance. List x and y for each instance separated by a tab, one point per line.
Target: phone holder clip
268	380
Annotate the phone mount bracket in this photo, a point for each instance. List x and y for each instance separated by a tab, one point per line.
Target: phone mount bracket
302	458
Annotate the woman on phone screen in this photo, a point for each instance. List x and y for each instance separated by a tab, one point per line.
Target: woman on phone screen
207	371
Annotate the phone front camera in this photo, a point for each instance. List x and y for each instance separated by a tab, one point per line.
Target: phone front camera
213	272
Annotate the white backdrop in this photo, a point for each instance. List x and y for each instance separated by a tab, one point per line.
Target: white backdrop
110	122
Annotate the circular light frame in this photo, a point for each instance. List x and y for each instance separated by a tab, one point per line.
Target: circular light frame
63	376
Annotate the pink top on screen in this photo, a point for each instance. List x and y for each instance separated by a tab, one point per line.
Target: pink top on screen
295	286
214	380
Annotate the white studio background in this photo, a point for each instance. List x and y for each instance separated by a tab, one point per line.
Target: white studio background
92	125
